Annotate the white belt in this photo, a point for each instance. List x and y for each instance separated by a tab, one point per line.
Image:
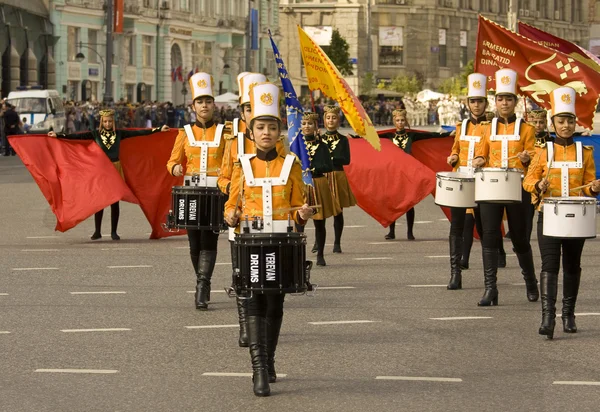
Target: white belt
194	180
279	226
466	170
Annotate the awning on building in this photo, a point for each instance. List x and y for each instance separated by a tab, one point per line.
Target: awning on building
32	6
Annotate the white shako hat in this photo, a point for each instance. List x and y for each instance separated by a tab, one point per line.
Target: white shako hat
201	84
506	82
239	80
477	85
562	101
264	101
247	81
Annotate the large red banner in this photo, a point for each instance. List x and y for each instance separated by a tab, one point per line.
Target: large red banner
540	69
119	5
564	46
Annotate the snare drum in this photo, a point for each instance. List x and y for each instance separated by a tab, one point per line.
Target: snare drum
195	207
498	185
271	263
569	217
455	189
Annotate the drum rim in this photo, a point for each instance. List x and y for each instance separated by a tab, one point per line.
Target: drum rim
197	188
499	169
444	176
278	235
571	200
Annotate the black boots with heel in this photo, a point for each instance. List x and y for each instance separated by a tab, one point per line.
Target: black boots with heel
456	244
490	265
548	284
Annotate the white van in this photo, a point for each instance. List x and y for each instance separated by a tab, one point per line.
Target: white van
43	109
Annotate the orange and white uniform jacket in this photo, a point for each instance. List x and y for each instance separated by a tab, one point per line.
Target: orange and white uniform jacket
468	131
249	199
491	150
578	176
183	150
233	147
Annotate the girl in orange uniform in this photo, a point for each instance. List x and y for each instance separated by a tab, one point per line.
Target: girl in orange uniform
579	161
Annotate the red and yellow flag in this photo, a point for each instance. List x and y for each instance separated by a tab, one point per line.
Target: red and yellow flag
540	69
564	46
323	75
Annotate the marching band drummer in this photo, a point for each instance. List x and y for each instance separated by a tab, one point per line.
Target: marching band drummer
469	134
237	144
320	164
109	139
202	161
340	156
509	145
404	140
577	161
265	311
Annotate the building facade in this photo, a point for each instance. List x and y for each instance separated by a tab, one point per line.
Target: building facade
162	42
26	44
433	39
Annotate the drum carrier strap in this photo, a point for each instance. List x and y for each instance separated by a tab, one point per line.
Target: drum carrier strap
565	166
504	138
267	184
468	169
204	146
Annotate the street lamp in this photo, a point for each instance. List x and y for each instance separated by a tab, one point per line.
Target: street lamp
79	57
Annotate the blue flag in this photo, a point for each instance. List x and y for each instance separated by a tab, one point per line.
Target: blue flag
294	116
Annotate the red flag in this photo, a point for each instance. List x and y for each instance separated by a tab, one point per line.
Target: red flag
75	176
144	160
388	183
564	46
540	69
119	5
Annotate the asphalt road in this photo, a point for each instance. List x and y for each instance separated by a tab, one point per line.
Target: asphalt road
121	315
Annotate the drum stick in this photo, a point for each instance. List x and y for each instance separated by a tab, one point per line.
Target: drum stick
579	187
515	156
292	209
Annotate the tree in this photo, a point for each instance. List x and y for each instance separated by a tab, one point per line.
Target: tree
338	53
406	84
367	84
453	86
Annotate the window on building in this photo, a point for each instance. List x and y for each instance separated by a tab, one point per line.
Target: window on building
93	43
147	42
205	63
130	90
131	51
73	39
443	60
391	45
184	5
464	56
150	4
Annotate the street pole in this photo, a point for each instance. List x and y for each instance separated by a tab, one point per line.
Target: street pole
512	16
369	44
249	35
109	52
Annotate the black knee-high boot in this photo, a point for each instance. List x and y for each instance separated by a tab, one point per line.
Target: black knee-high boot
338	227
206	266
548	284
490	271
410	222
456	247
273	329
98	225
115	211
320	235
467	241
241	304
570	291
392	233
528	271
257	331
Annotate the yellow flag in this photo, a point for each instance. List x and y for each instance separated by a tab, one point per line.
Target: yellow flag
323	75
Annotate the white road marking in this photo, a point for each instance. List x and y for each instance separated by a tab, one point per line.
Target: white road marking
233	374
382	243
342	322
41	237
417	378
463	318
443	220
423	221
181	247
132	266
354	226
582	383
336	287
116	292
427	286
212	291
437	256
3	294
119	248
39	250
99	371
95	330
582	314
375	258
212	326
4	332
34	269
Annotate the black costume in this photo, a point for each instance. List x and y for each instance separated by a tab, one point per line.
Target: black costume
110	142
